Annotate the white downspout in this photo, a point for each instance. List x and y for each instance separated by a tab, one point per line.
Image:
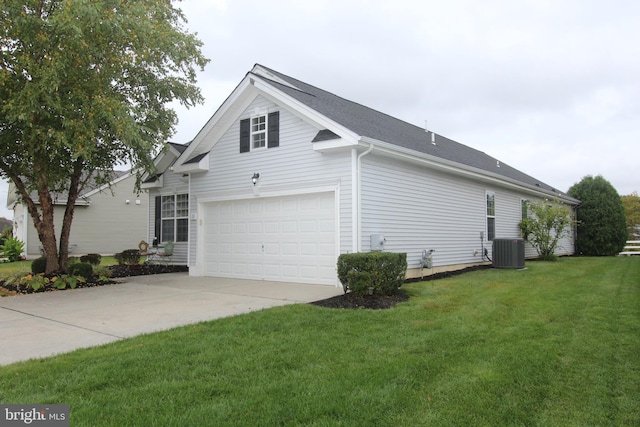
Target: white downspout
358	228
189	236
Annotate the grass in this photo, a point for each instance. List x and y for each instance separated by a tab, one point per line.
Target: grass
555	345
18	266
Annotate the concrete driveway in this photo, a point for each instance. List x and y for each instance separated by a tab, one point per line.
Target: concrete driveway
40	325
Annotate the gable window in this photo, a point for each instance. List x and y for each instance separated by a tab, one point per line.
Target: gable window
174	218
491	215
524	206
260	132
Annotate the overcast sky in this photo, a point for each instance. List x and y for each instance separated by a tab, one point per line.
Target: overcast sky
549	87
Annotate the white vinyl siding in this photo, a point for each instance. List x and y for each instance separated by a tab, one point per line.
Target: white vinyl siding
418	208
294	163
174	184
108	225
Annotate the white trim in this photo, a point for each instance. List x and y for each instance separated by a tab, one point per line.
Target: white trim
216	118
109	184
359	195
303	187
354	199
284	191
460	169
303	111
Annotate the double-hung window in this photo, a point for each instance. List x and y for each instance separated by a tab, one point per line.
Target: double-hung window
491	215
174	218
524	206
259	132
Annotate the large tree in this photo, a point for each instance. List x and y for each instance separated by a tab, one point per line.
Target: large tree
631	205
602	228
85	85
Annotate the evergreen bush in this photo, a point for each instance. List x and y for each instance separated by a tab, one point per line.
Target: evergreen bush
93	259
83	269
602	226
39	265
379	272
128	257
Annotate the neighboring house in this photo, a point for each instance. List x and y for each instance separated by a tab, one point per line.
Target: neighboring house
169	203
106	220
284	177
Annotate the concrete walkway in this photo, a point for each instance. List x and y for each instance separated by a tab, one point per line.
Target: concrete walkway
40	325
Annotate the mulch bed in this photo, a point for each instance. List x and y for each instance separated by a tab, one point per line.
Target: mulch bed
376	302
117	271
351	301
346	301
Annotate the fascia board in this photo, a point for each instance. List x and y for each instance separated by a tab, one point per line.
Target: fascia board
159	183
201	166
105	186
459	169
227	105
334	144
304	112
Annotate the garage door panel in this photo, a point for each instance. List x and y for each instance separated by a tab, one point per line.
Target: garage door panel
290	238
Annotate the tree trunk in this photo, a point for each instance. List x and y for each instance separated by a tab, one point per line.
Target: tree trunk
65	232
46	231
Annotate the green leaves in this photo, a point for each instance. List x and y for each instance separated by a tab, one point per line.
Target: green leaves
545	225
85	86
602	228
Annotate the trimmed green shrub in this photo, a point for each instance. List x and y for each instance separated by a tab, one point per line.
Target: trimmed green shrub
39	265
128	257
383	272
602	225
93	259
83	269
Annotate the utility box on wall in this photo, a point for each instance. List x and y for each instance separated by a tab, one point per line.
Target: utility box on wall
508	253
377	242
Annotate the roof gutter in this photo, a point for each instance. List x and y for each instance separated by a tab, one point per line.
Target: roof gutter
462	169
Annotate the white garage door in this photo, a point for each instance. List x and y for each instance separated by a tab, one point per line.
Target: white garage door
289	238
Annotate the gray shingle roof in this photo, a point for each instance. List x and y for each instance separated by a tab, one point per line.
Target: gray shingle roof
368	122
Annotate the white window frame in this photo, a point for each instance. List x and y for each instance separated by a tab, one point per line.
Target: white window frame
258	129
490	209
180	215
524	208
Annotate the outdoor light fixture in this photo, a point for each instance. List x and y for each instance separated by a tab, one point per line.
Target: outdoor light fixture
255	178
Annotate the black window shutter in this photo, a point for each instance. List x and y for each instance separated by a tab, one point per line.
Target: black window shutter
245	136
273	137
158	220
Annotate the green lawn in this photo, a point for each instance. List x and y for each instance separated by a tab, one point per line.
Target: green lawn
25	266
555	345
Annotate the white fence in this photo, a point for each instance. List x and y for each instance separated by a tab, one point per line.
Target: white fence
632	248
